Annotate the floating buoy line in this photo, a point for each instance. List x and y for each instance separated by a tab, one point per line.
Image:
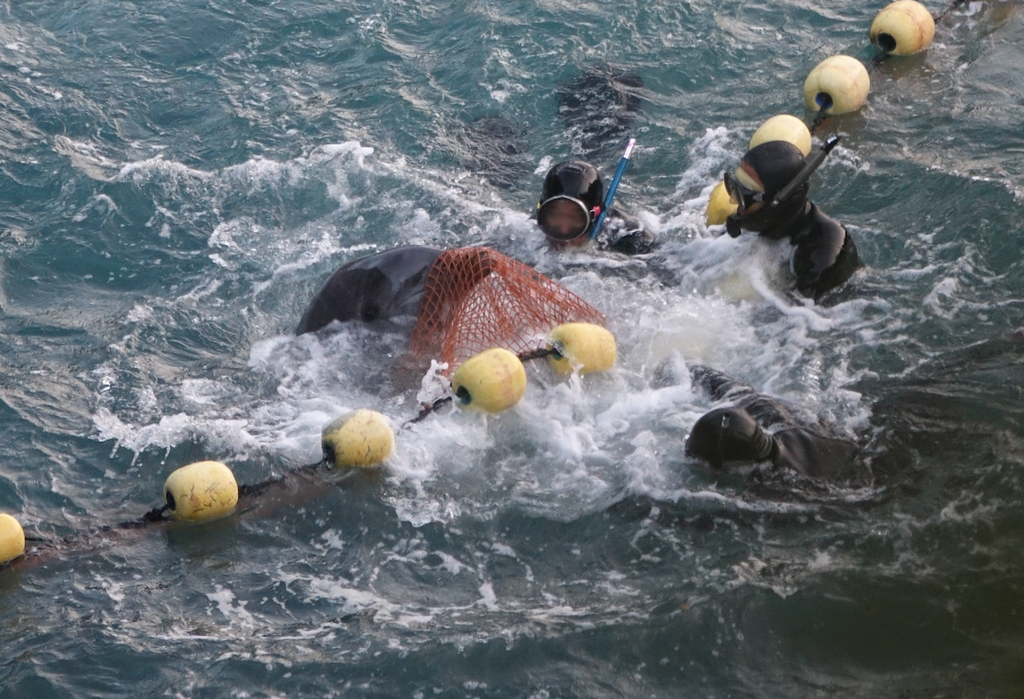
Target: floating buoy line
840	84
495	380
492	381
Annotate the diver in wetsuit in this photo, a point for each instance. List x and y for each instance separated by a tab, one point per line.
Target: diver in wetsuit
824	256
570	204
599	107
958	407
760	428
385	287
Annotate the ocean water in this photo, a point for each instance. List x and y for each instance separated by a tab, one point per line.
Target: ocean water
178	179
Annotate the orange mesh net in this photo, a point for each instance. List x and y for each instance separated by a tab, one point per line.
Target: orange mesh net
475	299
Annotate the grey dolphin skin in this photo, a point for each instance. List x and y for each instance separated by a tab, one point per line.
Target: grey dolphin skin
382	287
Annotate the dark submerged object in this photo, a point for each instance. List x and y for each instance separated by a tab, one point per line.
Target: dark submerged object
496	149
961	407
599	108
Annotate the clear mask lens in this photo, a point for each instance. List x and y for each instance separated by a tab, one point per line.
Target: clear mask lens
742	196
563	218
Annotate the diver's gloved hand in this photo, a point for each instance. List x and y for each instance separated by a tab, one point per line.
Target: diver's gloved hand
729	434
733	227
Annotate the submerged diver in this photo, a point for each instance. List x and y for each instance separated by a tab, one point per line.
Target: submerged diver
599	107
571	203
959	407
760	428
494	148
770	187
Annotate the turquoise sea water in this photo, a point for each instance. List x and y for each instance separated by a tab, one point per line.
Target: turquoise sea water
178	179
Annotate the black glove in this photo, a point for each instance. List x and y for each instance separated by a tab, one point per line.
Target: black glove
732	226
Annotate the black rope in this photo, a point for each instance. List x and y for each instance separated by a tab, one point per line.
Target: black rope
159	514
153	516
539	354
880	57
819	119
39	539
428	408
251	491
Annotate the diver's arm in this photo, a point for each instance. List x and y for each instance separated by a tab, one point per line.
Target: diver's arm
825	255
767	410
623	233
717	384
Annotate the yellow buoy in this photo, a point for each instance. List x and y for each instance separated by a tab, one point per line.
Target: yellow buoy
582	347
837	85
720	207
783	127
12	538
201	492
903	28
493	380
358	439
737	286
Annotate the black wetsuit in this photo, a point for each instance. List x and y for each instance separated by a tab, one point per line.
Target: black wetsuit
381	287
757	427
825	255
623	233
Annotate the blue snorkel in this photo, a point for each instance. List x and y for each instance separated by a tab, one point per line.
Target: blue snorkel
611	189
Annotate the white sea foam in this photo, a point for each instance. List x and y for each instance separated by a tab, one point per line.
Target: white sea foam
571	447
